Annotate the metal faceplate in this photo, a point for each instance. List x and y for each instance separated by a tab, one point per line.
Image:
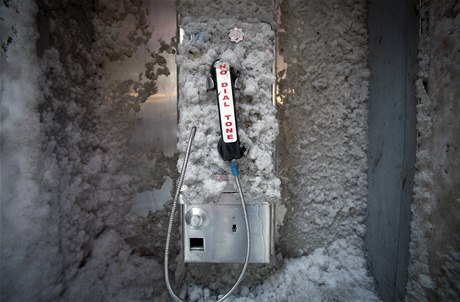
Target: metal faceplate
216	232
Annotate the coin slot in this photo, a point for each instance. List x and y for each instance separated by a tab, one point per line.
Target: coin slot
234	228
196	244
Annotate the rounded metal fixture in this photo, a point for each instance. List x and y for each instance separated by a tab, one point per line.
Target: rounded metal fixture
196	218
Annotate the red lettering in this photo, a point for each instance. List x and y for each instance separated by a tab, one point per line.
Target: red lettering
229	130
225	98
223	66
227	116
224	84
226	105
228	124
223	72
229	136
225	91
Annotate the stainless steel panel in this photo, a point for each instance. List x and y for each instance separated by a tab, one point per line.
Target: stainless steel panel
157	120
216	232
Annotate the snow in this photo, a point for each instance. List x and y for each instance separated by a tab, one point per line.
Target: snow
335	273
69	180
435	243
24	208
253	58
112	273
323	164
328	274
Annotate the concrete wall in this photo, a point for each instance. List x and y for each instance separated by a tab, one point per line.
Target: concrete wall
392	136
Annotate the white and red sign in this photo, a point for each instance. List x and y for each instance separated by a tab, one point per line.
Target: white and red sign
226	104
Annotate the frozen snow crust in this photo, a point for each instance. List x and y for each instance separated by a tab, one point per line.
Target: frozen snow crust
205	41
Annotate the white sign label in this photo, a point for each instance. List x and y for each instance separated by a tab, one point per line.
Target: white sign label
226	104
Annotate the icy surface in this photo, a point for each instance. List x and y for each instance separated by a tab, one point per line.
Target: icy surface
205	41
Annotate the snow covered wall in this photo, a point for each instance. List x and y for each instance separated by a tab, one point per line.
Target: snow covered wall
434	268
69	178
323	141
24	201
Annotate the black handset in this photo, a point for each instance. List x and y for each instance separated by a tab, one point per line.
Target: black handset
224	77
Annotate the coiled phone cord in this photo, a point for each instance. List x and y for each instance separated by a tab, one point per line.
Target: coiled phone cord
235	173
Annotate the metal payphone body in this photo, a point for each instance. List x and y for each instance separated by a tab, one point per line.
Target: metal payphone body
215	232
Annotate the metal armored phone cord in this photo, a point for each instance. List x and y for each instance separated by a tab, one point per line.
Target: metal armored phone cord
235	173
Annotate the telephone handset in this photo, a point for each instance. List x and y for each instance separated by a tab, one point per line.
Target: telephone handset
224	77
